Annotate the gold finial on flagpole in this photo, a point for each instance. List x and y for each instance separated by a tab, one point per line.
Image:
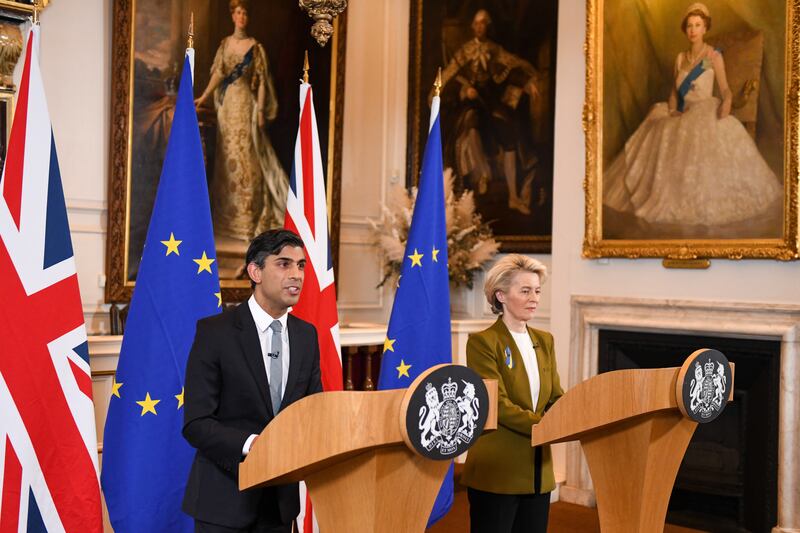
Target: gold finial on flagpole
306	68
437	85
37	6
190	41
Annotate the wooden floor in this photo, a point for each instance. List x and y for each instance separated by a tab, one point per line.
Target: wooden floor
564	518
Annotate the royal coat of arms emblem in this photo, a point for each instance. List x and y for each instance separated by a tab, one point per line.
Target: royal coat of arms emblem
450	420
704	385
446	410
707	389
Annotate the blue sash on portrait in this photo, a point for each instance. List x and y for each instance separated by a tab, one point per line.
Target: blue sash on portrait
236	73
686	85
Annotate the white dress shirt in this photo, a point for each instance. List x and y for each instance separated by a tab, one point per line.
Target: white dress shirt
525	345
263	321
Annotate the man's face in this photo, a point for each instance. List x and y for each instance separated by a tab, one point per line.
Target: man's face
279	282
480	24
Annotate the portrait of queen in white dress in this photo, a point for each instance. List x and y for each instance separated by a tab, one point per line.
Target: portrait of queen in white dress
691	165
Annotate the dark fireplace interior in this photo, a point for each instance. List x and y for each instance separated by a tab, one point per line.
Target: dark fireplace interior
728	479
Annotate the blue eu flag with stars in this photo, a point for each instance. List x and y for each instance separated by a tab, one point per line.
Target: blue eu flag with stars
419	328
146	461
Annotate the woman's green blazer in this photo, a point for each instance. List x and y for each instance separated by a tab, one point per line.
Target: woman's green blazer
503	461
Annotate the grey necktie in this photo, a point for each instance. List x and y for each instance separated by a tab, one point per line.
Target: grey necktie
275	366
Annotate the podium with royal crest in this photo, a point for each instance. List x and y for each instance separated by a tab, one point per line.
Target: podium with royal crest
374	461
634	427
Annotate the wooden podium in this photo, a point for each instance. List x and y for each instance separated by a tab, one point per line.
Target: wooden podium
633	430
351	449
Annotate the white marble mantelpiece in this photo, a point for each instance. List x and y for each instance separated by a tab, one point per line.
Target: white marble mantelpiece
777	322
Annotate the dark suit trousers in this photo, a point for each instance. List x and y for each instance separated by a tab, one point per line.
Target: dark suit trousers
508	513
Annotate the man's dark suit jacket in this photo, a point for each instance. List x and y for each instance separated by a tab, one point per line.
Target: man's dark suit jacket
226	399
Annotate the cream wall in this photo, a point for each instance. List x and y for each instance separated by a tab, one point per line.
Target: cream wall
76	68
76	41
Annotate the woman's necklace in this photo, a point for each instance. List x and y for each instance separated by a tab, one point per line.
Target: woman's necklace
691	58
239	34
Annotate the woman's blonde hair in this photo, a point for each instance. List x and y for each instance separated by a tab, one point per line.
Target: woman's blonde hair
500	275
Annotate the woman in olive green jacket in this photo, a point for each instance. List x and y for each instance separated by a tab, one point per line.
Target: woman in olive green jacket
509	482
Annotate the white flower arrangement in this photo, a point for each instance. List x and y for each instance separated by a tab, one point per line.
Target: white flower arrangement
470	241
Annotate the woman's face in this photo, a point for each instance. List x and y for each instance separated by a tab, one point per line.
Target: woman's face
522	297
239	17
695	28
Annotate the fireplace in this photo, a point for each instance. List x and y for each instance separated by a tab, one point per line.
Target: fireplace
727	482
744	331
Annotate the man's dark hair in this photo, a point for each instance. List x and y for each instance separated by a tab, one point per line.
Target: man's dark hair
271	242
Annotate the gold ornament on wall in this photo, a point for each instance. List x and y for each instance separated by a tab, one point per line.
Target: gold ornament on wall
323	12
10	50
12	15
13	7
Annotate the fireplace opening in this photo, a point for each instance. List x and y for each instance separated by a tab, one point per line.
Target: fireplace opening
728	480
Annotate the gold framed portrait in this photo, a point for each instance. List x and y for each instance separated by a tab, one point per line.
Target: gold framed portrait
691	123
498	61
248	125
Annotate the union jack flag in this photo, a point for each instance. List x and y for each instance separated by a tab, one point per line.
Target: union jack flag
48	445
307	215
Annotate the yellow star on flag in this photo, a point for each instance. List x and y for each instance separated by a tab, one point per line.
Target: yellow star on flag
204	263
435	254
416	259
148	405
388	344
172	244
179	397
219	296
115	387
402	370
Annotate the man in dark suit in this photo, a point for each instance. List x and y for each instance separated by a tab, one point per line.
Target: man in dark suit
245	365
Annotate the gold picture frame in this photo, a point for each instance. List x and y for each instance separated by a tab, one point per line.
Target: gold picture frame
524	34
24	7
684	241
137	85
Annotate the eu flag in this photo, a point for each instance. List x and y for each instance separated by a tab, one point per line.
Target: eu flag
419	327
146	461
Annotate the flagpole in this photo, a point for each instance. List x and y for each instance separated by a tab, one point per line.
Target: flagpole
190	44
190	40
37	6
306	68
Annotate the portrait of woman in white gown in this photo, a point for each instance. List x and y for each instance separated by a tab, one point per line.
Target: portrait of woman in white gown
249	186
691	168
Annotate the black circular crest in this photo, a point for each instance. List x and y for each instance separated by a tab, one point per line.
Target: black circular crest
447	410
705	386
